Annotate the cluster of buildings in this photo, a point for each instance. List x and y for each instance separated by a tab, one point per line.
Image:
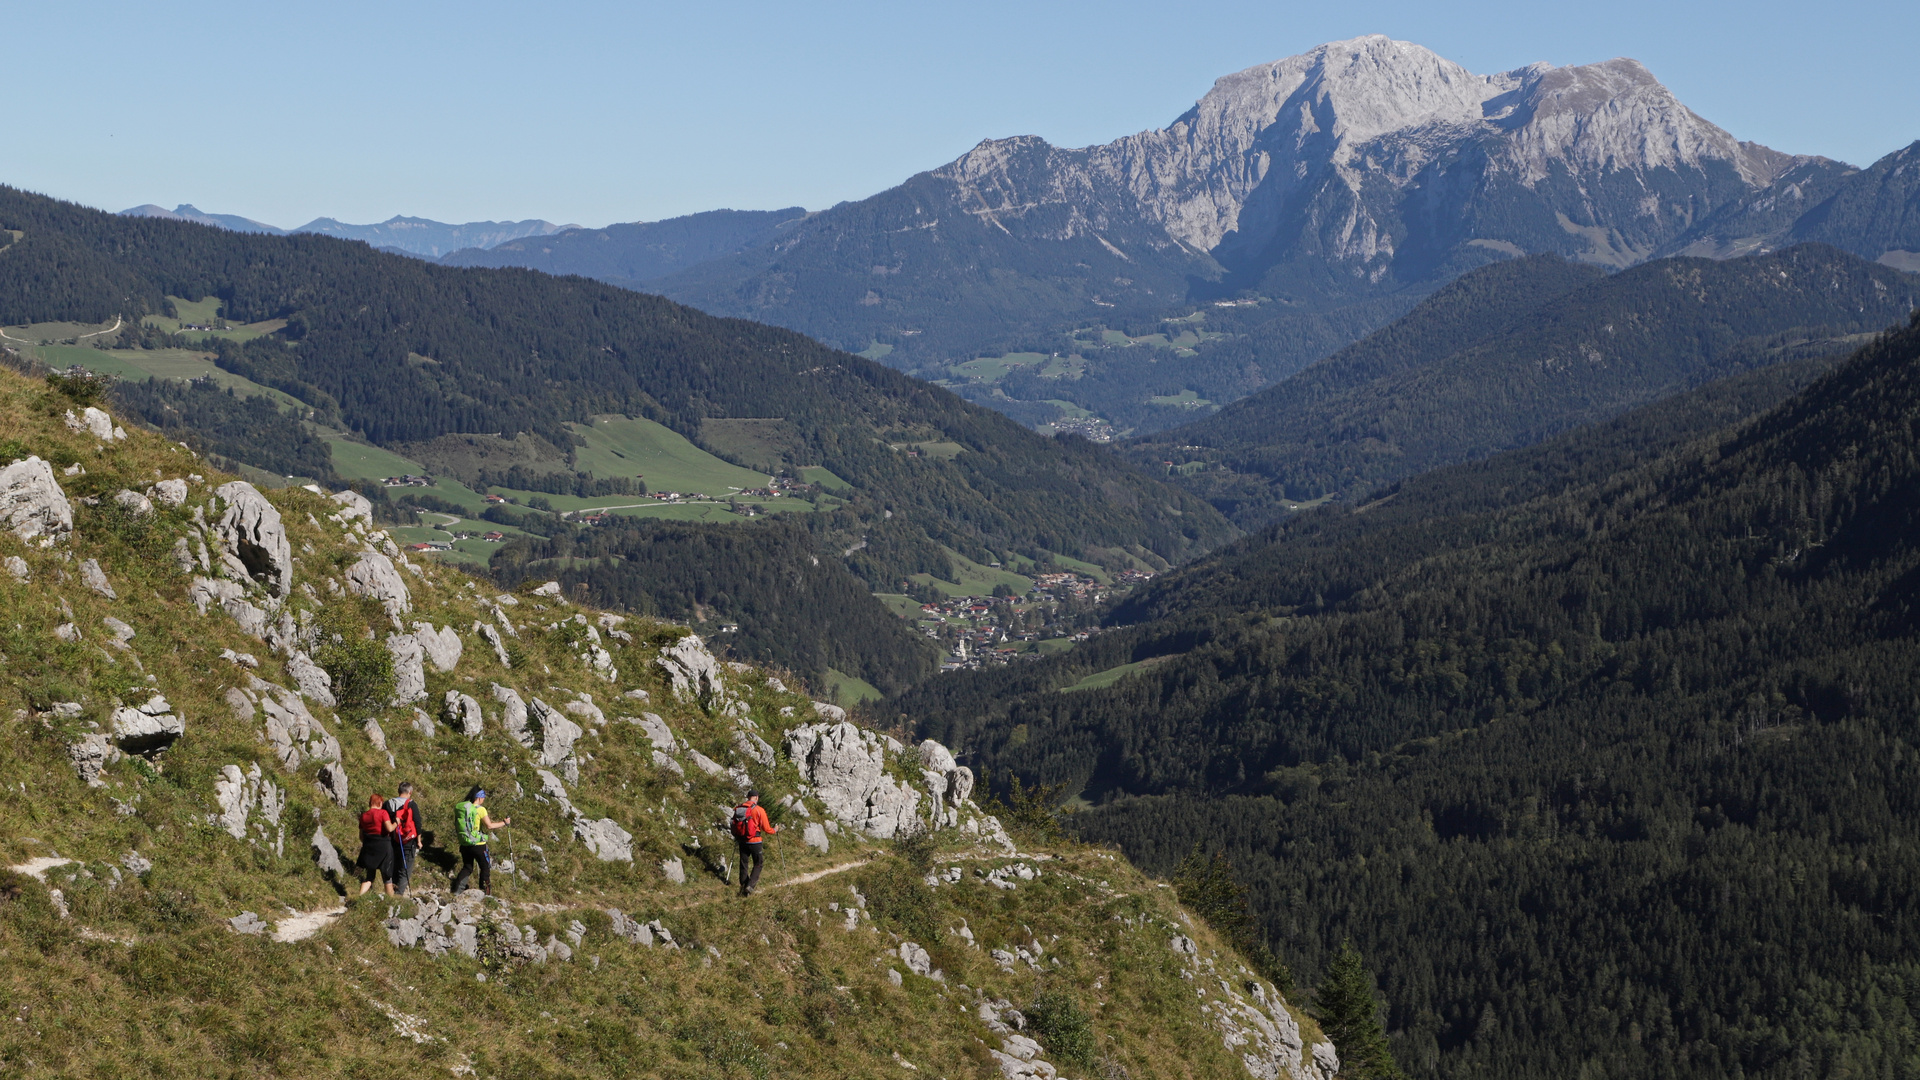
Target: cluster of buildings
409	480
1090	428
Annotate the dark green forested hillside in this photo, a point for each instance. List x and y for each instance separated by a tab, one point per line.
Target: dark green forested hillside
1511	354
796	604
404	351
1602	758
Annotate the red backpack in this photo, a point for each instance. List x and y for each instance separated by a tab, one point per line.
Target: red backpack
744	827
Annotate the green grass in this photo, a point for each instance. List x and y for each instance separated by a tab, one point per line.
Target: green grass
627	446
1069	409
995	368
973	578
820	474
847	689
206	312
1187	399
876	351
1101	679
1092	570
938	449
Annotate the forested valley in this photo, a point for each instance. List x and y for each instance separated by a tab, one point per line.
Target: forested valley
1599	751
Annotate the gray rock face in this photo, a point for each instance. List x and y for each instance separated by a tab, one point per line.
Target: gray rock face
325	856
354	506
332	779
122	633
32	503
443	646
753	747
674	870
555	735
312	679
90	756
96	423
815	836
409	669
373	575
605	838
915	958
487	631
17	566
204	591
657	731
513	715
134	502
248	922
239	794
291	730
145	729
253	541
169	492
691	670
847	768
463	712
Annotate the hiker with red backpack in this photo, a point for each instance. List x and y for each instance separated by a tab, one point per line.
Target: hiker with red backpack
406	836
751	827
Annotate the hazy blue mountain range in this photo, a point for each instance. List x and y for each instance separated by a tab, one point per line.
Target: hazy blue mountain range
406	235
190	212
632	254
1872	212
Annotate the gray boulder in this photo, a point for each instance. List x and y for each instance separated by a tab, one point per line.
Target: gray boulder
332	779
253	541
145	729
32	504
605	838
846	767
513	715
657	731
90	756
169	492
17	566
463	712
325	856
815	836
95	579
312	679
691	670
443	647
409	668
373	575
555	735
134	502
354	506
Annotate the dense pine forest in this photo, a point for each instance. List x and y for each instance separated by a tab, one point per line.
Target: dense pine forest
1514	353
792	603
1600	752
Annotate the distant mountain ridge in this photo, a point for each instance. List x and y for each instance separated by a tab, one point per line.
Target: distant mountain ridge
1360	168
632	254
408	235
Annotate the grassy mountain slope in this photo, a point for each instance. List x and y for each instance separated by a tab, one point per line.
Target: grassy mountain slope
1593	760
118	950
1515	353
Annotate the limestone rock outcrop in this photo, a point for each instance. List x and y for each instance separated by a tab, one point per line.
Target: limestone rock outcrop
846	767
312	679
691	670
463	712
253	543
409	668
443	647
32	503
147	728
374	575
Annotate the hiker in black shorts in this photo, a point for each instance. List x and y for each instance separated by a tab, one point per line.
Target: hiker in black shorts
376	846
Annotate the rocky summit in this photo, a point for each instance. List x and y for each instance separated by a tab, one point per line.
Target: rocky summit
203	683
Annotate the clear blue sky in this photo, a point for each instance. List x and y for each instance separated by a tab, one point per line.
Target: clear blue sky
599	112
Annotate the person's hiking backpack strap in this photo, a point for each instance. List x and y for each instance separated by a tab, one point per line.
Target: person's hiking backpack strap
744	828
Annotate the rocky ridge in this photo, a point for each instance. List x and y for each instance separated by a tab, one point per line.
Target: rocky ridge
190	726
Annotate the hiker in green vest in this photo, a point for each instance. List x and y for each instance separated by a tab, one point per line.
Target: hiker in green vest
474	824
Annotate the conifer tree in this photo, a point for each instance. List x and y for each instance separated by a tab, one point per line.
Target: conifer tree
1349	1014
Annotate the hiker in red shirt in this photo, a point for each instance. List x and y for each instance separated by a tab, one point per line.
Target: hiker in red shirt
376	846
750	829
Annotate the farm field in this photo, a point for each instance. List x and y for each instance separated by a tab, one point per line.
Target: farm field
1185	399
206	312
847	689
1100	679
975	579
628	446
